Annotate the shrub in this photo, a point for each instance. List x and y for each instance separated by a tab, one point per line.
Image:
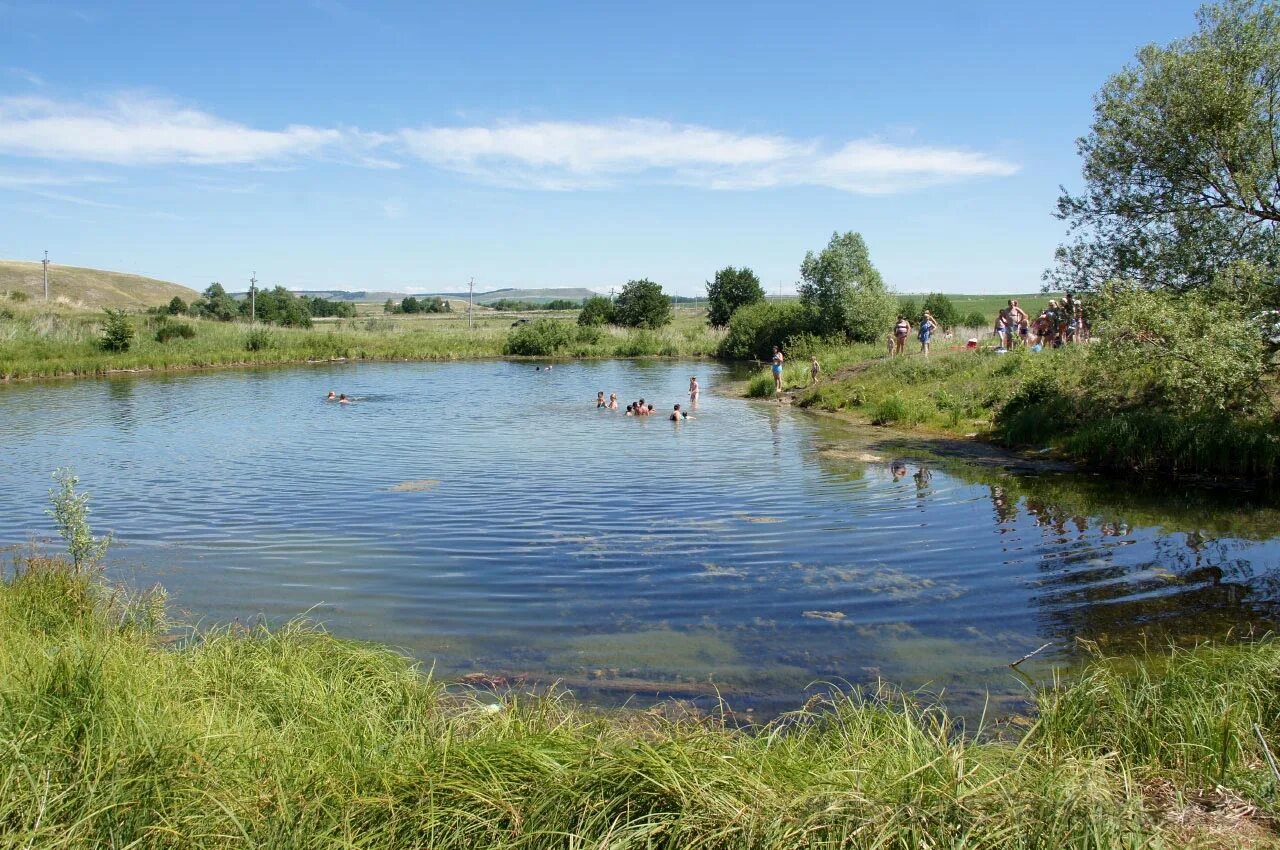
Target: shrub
909	306
975	319
175	330
117	331
589	334
6	313
596	310
756	328
18	296
70	514
258	339
177	307
1186	353
642	304
540	338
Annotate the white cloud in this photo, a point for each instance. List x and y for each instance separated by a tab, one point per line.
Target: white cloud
130	130
135	130
566	155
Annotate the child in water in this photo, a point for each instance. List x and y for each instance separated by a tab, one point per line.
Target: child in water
331	396
600	402
613	401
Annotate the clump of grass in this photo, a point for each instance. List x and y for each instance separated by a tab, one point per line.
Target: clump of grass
761	386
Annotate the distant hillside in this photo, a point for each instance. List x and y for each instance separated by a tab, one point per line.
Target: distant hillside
533	296
91	287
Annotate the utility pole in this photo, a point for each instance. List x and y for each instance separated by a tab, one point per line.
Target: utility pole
253	298
611	289
471	300
46	275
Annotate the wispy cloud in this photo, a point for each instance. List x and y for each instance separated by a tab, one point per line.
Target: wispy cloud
563	155
31	77
134	130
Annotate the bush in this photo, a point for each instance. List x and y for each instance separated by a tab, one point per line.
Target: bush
175	330
18	296
596	310
589	334
258	339
756	328
909	306
177	307
1185	353
642	304
540	338
117	331
975	319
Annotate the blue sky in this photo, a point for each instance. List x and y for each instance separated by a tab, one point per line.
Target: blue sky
413	145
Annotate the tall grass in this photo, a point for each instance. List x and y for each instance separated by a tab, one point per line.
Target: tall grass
113	737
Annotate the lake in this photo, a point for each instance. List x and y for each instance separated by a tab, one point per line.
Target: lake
486	518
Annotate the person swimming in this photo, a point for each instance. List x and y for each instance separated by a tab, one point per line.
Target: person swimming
600	402
613	401
332	396
677	414
649	411
631	409
342	399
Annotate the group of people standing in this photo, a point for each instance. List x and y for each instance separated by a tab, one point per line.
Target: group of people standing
897	342
1061	322
640	408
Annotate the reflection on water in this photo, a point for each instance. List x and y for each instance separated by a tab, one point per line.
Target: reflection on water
486	517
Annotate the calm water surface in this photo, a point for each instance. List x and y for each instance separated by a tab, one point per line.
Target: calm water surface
486	518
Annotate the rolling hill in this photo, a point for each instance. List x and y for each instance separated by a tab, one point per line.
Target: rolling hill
533	296
92	288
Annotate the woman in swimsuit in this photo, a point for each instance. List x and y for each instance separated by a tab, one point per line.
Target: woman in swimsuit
900	331
778	359
613	401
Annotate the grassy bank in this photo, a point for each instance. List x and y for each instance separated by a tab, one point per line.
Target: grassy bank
115	737
36	342
1033	400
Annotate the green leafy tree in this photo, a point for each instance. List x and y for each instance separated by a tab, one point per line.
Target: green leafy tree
975	319
410	304
117	331
561	304
845	292
177	307
390	306
642	304
731	289
942	308
216	304
596	310
1181	174
909	306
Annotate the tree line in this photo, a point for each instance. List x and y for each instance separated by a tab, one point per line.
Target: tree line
276	306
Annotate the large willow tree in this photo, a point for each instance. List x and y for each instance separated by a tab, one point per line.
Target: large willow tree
1182	163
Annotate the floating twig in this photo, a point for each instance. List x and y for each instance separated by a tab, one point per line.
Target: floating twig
1029	654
